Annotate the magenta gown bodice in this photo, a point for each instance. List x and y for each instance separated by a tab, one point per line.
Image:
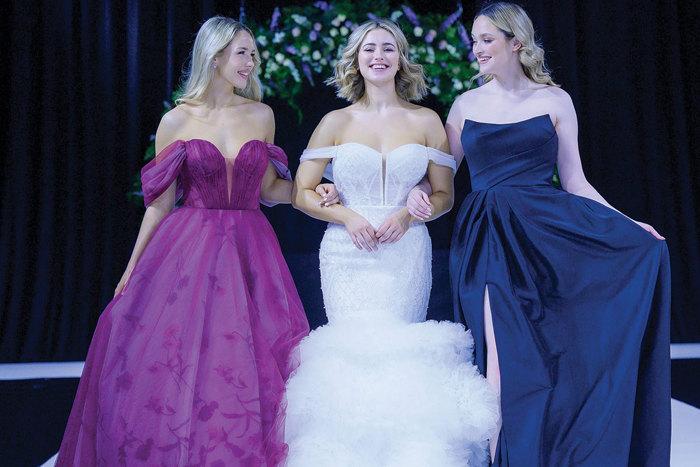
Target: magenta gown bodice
187	365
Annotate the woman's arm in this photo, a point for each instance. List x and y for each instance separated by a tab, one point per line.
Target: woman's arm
273	189
306	199
569	164
158	209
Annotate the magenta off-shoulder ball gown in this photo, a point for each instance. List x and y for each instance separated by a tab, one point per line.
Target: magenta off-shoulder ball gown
187	366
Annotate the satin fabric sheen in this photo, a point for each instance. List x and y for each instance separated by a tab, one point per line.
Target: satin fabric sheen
580	299
187	366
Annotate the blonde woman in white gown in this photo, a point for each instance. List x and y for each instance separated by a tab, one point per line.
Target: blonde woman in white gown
378	385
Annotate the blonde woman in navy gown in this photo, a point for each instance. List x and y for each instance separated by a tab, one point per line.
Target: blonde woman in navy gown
567	298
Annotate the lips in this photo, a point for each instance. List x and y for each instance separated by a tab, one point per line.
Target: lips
244	74
483	59
379	66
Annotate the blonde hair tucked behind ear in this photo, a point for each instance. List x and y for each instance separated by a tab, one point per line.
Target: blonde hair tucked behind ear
213	37
512	20
410	81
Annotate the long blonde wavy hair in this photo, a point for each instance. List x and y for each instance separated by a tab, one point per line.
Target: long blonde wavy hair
512	20
212	38
350	85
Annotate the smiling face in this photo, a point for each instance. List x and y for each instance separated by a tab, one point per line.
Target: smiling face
235	62
494	51
378	56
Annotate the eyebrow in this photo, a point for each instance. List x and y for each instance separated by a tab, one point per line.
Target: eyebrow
386	43
483	34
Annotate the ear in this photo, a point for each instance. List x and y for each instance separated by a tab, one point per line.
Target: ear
517	45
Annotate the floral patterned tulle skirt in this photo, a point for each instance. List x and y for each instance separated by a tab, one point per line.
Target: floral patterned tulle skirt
187	366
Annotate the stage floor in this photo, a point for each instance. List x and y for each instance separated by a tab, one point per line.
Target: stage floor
37	398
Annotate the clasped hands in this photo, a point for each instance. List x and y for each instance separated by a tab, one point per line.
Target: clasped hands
364	235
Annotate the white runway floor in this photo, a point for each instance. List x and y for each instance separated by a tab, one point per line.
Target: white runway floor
685	439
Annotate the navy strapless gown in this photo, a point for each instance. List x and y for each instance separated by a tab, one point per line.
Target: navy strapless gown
580	299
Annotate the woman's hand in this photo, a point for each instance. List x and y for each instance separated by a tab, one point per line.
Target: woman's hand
361	232
394	226
328	193
418	204
123	281
650	229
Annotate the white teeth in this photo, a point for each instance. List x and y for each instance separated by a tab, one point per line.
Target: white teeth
379	67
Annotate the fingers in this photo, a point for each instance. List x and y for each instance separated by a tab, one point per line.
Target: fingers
418	205
370	238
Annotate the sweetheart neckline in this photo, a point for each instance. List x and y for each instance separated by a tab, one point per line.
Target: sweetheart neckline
218	151
373	149
512	123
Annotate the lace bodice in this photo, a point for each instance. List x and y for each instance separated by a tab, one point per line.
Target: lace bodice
366	177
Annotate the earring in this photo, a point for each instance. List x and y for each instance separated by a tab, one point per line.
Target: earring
214	66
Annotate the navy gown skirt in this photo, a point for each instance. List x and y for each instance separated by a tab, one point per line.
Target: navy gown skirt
580	299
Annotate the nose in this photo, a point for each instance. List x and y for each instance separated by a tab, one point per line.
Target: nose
476	47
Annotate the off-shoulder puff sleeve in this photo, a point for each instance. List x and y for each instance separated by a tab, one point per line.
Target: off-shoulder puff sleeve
442	158
162	171
328	152
278	159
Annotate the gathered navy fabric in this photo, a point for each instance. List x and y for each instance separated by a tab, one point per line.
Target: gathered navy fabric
580	299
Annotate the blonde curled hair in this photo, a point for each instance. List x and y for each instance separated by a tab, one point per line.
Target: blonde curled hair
512	21
212	38
350	85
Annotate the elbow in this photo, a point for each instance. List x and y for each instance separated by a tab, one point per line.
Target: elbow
297	198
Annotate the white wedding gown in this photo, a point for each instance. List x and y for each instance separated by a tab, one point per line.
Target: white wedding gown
378	385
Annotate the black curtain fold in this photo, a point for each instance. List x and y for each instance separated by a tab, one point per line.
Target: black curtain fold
87	80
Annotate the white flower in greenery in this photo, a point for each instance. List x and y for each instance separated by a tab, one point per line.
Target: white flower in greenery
455	70
299	19
435	90
333	32
457	84
341	17
279	57
272	66
279	37
317	26
323	62
316	55
452	50
336	22
396	14
304	49
265	54
475	65
296	32
418	31
329	42
262	40
334	62
344	31
442	44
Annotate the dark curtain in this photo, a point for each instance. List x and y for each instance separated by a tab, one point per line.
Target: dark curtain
86	83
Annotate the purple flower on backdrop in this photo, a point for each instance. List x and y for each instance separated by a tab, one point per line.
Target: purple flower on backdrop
348	23
307	72
313	35
452	18
464	36
275	17
430	37
323	6
372	16
471	56
291	49
410	15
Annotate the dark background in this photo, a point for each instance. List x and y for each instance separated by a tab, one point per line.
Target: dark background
87	79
